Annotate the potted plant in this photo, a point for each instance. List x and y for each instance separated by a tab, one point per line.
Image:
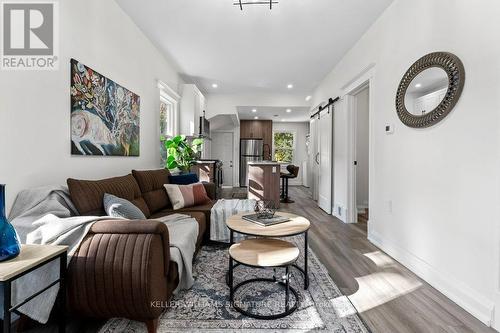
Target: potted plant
181	154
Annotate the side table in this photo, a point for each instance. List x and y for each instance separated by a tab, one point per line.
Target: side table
296	226
31	258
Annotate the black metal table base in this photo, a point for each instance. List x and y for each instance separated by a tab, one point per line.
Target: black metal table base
300	269
304	271
8	308
288	310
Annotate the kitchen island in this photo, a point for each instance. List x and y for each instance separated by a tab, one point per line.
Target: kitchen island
264	181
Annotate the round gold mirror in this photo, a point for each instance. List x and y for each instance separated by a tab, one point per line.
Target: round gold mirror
430	89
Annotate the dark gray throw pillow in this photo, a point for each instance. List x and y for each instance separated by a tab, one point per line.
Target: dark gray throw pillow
118	207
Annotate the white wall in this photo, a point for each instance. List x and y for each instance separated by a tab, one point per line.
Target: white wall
442	182
35	105
300	154
362	141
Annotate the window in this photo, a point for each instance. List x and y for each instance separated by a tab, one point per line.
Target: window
284	146
169	101
169	112
165	117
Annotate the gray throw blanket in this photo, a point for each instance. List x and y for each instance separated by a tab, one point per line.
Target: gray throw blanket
183	232
221	211
33	204
46	216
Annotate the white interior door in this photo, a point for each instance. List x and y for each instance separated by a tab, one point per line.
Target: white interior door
314	158
325	129
222	149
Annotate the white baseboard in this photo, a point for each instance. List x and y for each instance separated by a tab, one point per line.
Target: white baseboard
457	291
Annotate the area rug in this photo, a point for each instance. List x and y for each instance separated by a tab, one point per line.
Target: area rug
205	308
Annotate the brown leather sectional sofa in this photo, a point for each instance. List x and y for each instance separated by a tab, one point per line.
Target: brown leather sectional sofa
123	268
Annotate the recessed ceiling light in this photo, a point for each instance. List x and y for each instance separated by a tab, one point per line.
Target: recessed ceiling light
308	98
283	119
418	85
254	110
289	86
255	117
288	110
215	85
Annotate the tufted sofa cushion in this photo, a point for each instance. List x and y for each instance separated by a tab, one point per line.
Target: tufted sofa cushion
87	195
151	184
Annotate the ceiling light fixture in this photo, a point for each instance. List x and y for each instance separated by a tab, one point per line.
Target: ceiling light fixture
254	110
418	85
215	85
289	86
308	98
283	119
255	117
288	110
242	3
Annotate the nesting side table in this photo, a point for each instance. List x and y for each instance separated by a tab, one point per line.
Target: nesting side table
31	258
296	226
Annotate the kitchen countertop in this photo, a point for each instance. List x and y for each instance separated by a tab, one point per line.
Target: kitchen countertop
263	163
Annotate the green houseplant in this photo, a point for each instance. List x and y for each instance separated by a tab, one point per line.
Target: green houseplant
181	154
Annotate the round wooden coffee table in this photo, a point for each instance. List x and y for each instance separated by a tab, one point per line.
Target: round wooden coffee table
296	226
264	253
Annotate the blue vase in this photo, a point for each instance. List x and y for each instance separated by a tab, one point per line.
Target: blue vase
9	242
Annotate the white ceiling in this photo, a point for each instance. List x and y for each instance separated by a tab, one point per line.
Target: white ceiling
257	49
297	114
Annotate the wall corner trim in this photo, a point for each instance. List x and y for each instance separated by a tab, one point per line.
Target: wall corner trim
457	291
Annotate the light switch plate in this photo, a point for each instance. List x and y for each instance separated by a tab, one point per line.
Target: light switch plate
389	128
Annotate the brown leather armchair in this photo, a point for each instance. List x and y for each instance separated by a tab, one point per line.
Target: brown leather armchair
123	269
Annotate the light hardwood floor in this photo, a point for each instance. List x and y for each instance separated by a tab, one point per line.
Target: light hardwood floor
389	297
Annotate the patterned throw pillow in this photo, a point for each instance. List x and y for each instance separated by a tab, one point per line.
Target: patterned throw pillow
182	196
118	207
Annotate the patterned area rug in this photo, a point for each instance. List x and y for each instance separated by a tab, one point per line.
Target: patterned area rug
205	308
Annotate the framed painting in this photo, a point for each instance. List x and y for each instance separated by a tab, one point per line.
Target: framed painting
105	117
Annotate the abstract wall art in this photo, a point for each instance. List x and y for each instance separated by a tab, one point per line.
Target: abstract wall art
105	117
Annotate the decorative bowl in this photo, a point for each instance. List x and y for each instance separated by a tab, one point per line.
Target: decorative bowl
265	209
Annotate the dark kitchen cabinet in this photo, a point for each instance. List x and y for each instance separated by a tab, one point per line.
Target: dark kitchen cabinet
258	129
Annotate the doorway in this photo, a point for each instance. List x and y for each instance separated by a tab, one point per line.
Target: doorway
223	150
359	92
362	169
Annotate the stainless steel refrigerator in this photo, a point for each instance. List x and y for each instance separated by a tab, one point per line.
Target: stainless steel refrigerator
250	150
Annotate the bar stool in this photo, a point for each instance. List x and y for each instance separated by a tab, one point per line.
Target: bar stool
293	172
264	253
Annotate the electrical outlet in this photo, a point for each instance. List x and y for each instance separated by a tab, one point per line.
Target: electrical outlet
389	206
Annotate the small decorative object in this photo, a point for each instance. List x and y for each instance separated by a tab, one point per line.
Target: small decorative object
9	242
104	115
181	154
265	209
430	89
